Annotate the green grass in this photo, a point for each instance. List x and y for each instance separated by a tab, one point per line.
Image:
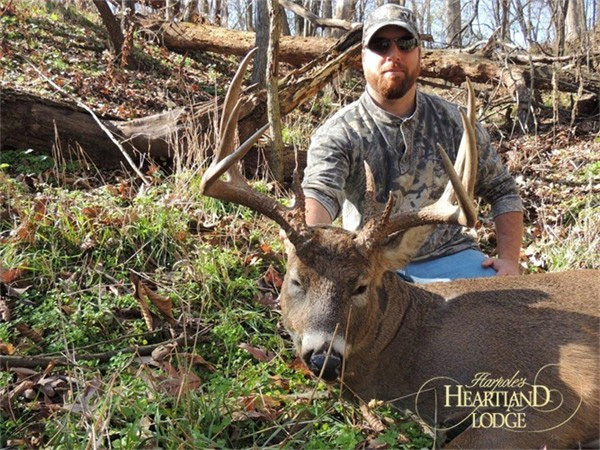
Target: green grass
77	246
579	244
76	273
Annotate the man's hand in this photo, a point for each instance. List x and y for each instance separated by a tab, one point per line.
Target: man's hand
503	267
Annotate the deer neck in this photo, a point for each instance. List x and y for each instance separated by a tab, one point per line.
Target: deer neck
403	309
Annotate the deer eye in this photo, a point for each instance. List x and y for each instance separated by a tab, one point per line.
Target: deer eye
360	290
295	282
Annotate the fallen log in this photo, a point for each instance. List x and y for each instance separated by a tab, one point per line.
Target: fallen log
30	121
184	36
449	65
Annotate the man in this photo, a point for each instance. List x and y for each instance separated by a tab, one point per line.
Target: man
395	128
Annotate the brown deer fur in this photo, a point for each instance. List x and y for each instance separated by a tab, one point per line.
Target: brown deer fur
398	336
353	319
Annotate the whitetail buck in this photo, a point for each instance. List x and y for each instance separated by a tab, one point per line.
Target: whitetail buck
507	362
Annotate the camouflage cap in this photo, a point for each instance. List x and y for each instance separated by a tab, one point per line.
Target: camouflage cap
390	14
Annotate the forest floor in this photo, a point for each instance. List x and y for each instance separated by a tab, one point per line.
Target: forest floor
148	315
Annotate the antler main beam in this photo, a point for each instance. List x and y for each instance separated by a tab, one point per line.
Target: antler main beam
235	188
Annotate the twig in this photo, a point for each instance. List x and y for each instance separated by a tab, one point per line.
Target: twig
95	117
316	20
145	350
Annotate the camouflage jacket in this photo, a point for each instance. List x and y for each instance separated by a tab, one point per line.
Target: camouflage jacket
403	157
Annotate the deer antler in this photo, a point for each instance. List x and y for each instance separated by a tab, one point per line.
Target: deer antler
236	189
461	185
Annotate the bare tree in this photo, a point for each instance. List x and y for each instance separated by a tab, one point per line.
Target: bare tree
559	13
327	13
191	9
504	20
299	23
453	23
262	42
249	16
344	9
115	33
272	74
285	26
575	26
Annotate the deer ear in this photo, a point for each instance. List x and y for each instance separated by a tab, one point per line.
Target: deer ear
399	250
289	247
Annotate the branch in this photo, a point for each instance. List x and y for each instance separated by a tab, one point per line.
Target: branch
316	20
98	121
7	362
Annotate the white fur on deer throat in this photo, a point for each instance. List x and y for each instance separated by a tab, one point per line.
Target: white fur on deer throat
314	340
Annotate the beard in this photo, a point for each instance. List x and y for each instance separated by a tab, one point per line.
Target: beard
394	86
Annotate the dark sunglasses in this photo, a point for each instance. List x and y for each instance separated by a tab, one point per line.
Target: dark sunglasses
382	45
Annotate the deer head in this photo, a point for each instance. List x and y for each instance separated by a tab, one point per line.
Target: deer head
331	271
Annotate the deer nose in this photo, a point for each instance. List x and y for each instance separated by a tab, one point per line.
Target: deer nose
328	367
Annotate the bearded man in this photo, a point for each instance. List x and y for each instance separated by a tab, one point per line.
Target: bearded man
395	127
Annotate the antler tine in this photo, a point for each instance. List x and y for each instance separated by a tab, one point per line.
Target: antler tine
464	156
371	208
236	189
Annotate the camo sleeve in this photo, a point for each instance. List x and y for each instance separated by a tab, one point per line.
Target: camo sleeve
494	184
329	162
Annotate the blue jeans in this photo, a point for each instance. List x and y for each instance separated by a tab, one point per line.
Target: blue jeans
464	264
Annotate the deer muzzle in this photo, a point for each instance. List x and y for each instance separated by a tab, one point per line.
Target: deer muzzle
324	365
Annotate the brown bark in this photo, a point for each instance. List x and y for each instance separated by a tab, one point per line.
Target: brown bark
29	121
114	30
188	36
274	110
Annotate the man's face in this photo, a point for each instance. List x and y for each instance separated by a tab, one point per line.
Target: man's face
393	73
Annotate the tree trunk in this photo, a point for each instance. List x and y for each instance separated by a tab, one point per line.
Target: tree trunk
185	36
299	21
426	26
328	14
249	16
259	66
504	20
453	23
559	12
114	30
575	26
285	26
31	121
274	114
344	10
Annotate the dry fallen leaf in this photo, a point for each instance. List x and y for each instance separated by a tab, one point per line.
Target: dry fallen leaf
9	275
5	314
29	332
140	296
273	278
6	349
257	353
198	361
163	304
298	365
180	381
162	351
